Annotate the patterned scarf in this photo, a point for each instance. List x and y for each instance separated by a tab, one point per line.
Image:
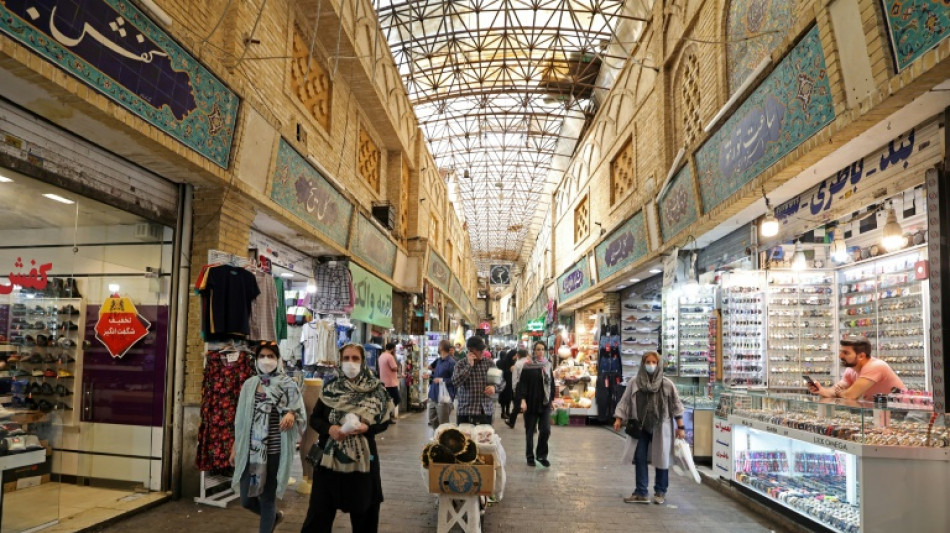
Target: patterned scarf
280	395
367	398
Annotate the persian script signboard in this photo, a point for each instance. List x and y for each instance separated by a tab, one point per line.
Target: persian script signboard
373	246
624	246
574	280
790	106
374	298
298	187
677	207
114	48
915	26
438	273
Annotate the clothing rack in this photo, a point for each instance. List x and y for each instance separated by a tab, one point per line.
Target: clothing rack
217	257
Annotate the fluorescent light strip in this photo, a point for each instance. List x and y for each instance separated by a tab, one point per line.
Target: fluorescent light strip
58	198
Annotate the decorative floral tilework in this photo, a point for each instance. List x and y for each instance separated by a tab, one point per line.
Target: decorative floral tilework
756	28
677	207
790	106
915	27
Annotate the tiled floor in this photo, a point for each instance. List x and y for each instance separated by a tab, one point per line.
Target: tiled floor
582	491
75	507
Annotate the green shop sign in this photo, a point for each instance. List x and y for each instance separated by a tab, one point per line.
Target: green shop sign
374	298
535	325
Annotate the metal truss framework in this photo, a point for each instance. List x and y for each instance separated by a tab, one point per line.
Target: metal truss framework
502	90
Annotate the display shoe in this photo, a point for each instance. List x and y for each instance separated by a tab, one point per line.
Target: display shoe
35	358
35	388
61	390
49	373
47	389
36	373
50	359
38	326
39	310
44	406
69	325
41	340
29	340
58	287
69	310
71	290
67	343
62	406
65	373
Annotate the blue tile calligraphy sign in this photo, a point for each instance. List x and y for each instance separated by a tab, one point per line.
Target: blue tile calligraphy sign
790	106
574	280
915	27
303	191
677	207
118	51
622	247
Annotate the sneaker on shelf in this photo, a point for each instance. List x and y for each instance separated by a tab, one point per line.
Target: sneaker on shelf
37	373
63	407
49	373
47	389
629	339
65	373
659	498
68	325
69	310
636	498
629	328
35	358
629	306
61	390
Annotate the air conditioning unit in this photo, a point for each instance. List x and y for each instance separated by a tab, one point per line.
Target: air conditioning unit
146	231
385	215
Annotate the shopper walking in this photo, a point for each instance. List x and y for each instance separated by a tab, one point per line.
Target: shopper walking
442	369
506	396
346	475
475	396
535	394
269	421
521	357
389	375
652	401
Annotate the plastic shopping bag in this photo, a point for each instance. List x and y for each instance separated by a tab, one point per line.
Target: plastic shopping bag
444	396
629	448
684	460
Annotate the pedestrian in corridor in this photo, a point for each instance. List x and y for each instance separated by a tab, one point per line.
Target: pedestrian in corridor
442	369
521	356
653	401
346	475
534	394
475	396
269	421
505	362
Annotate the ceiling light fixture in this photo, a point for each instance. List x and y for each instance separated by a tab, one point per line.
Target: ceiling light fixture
655	271
799	261
634	280
288	275
769	225
58	198
893	234
839	248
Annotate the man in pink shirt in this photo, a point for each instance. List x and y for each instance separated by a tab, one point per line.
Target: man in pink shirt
389	375
863	377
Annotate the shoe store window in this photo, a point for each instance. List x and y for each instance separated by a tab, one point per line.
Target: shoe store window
84	296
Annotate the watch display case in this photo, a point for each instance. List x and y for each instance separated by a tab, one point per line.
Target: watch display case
689	334
743	329
801	329
833	460
884	300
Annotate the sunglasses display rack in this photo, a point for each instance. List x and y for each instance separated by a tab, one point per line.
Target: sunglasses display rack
640	319
883	300
801	329
689	336
44	347
743	329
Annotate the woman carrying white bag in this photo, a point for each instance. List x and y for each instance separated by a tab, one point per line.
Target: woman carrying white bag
648	411
441	389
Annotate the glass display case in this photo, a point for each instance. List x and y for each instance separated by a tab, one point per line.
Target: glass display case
700	403
801	329
834	461
885	301
689	330
743	329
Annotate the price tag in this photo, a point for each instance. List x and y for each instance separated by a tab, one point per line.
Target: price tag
233	357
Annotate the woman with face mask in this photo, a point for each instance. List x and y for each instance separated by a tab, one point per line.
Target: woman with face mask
269	421
652	400
346	476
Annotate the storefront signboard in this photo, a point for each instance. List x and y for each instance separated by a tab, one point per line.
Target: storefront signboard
790	106
119	52
32	279
915	26
622	247
120	326
301	189
374	298
536	325
438	273
574	280
373	246
677	207
856	184
455	293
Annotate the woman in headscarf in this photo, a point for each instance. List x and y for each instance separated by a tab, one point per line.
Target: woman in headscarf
347	476
652	400
505	362
269	420
535	394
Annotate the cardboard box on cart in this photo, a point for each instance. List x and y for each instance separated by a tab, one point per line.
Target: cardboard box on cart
463	479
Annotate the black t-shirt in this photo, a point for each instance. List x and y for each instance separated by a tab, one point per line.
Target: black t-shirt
230	291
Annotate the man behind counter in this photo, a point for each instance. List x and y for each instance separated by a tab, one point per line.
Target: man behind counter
864	376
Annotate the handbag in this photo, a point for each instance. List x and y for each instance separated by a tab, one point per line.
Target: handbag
314	455
633	428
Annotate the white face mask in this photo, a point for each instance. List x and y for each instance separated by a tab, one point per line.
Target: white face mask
267	366
650	369
351	370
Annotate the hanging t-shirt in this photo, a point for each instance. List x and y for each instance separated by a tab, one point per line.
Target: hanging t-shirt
310	335
262	311
228	293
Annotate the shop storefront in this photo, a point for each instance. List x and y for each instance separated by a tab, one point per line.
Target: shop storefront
87	317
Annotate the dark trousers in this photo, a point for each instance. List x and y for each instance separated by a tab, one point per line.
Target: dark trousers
264	505
320	519
640	458
394	394
541	421
473	419
513	415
